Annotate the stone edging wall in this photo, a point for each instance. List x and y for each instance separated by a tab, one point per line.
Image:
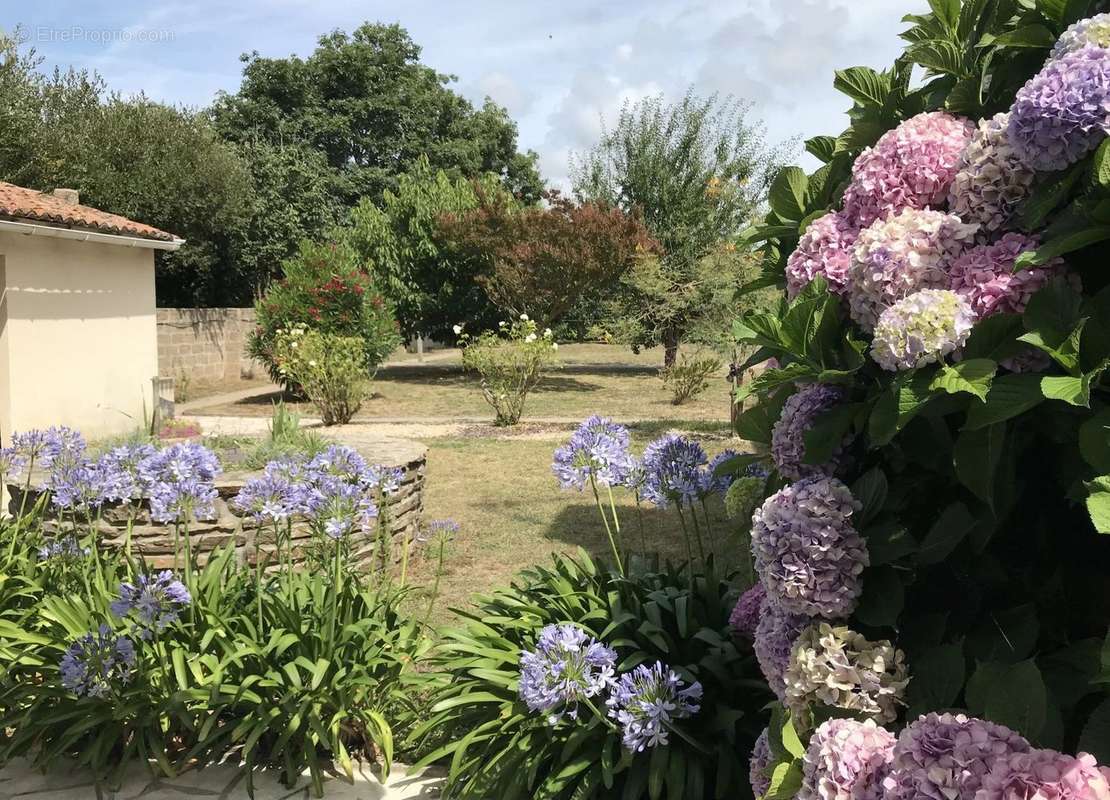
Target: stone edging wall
206	344
155	541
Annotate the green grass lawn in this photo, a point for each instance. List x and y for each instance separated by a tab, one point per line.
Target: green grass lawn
513	513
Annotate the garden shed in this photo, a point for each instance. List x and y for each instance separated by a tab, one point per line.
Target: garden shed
78	337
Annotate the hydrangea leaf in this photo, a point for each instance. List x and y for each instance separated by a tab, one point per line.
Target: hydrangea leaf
882	600
994	337
1095	738
954	523
976	455
1094	441
871	490
1054	248
938	677
1009	396
786	780
1047	196
972	376
828	431
1009	635
823	148
1098	502
787	195
863	84
888	542
1018	699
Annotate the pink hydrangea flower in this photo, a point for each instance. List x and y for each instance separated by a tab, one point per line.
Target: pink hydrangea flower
846	760
825	249
984	275
911	166
1045	775
745	616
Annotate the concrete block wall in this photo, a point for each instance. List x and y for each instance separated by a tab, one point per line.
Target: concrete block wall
206	344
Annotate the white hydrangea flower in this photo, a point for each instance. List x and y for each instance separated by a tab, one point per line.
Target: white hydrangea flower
1093	30
921	329
991	180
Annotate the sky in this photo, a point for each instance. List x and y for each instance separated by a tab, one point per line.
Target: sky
560	68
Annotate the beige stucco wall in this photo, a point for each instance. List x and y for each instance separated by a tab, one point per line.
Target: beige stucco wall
78	343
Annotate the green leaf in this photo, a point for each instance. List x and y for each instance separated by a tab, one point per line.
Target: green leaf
862	84
1054	248
976	455
1094	441
1008	635
938	677
786	780
882	599
1009	396
888	542
1047	196
756	424
1018	699
1075	391
1053	9
1095	738
871	491
787	195
790	740
902	400
972	376
1036	36
1098	502
828	431
947	11
954	523
823	148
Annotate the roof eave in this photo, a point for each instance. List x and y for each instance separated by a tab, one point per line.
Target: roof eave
29	228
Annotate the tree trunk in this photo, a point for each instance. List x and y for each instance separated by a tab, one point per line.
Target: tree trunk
671	341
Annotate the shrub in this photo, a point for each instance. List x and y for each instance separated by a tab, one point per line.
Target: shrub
509	365
325	289
330	369
505	749
689	376
939	548
287	439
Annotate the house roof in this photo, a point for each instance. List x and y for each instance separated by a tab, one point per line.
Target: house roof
26	204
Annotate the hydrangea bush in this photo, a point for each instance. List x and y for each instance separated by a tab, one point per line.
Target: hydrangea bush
938	631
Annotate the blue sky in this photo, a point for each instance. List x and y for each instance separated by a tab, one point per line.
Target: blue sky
560	68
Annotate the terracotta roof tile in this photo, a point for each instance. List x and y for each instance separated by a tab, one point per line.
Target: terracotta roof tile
19	203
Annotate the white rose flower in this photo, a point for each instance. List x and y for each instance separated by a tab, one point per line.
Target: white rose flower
502	324
312	363
554	345
457	329
523	317
530	337
547	334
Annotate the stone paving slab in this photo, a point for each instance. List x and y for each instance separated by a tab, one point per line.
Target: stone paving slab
18	781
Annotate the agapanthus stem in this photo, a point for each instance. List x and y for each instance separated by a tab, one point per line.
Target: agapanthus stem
640	519
608	528
616	519
697	530
708	528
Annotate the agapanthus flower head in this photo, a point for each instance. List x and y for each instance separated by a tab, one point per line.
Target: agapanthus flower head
30	444
97	664
837	667
647	701
673	465
991	180
984	275
942	756
1091	31
119	471
567	667
801	410
269	498
749	608
1063	112
156	600
12	463
824	250
901	255
759	764
383	480
922	329
338	508
66	549
61	442
846	760
338	462
744	495
774	639
807	552
1045	775
597	450
711	482
910	167
76	485
179	480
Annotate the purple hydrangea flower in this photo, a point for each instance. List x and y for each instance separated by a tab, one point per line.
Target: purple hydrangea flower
922	329
673	468
775	635
801	410
567	667
807	552
846	760
759	764
97	664
1063	112
991	182
647	700
984	275
119	471
1045	775
179	481
944	756
825	250
67	549
900	255
597	450
749	608
910	167
157	601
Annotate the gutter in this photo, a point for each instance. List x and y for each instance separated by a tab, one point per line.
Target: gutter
33	229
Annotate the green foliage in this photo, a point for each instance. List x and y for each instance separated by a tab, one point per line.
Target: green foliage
697	171
330	369
503	750
430	280
689	376
509	365
373	109
325	289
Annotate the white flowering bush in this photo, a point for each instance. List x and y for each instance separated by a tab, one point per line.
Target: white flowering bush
509	363
932	556
330	369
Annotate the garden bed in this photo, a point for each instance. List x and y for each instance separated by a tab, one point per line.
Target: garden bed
154	541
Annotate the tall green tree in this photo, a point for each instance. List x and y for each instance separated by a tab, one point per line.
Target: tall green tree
696	171
367	102
430	280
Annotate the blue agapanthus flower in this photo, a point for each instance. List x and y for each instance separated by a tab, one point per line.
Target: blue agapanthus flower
647	701
119	471
156	601
270	498
386	480
674	469
339	463
179	480
711	482
598	449
97	664
567	667
76	485
12	463
67	549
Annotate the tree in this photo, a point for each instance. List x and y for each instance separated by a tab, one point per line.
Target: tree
430	280
696	170
542	259
373	109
